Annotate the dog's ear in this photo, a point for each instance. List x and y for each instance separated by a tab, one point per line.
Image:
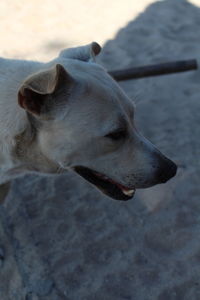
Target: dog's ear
84	53
36	95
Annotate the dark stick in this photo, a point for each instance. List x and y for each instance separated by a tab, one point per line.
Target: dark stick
155	70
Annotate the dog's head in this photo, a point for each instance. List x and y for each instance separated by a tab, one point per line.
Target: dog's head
85	122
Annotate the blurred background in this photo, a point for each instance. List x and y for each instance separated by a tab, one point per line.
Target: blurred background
38	29
60	238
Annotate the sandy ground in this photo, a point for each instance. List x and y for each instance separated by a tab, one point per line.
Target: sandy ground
38	29
60	238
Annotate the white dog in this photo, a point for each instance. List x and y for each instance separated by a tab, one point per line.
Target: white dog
70	114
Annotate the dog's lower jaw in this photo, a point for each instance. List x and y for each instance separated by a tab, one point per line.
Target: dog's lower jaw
108	186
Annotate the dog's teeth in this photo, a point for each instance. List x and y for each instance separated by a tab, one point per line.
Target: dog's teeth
128	192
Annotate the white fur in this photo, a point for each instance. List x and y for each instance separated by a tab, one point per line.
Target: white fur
83	106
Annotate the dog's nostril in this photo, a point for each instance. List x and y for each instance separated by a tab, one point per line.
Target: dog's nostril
166	170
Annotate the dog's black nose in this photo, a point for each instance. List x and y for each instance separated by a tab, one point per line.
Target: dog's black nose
167	169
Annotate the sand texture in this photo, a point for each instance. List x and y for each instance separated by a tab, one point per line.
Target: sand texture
61	239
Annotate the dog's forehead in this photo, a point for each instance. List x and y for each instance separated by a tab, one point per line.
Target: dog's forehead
103	110
96	82
97	98
107	95
99	86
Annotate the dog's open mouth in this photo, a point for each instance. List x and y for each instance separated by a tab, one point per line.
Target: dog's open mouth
108	186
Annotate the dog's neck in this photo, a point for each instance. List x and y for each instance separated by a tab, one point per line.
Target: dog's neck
27	154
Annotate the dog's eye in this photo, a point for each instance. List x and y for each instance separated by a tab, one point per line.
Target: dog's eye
116	135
